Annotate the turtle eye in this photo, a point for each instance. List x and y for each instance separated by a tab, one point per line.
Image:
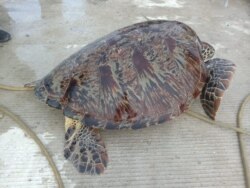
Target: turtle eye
40	92
41	89
46	85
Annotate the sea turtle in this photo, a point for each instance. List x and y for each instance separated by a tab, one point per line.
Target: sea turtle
135	77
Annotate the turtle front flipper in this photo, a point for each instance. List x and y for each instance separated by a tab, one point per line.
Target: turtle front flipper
220	73
84	147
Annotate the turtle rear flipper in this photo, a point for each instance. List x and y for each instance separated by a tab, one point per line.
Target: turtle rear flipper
85	148
220	73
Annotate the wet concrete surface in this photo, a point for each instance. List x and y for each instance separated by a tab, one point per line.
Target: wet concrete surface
183	153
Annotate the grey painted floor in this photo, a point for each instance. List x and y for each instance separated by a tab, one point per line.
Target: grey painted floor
183	153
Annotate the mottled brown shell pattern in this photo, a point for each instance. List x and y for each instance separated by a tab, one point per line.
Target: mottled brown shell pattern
137	76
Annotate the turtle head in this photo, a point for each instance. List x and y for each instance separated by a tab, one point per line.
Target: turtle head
47	91
39	89
207	51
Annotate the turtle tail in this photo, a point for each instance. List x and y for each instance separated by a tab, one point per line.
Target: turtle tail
220	73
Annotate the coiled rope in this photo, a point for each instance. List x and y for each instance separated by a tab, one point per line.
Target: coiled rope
239	129
240	132
31	134
242	146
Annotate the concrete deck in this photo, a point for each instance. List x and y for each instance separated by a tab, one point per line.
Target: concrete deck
183	153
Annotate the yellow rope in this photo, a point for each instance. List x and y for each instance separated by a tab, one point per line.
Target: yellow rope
28	131
239	129
14	88
44	151
218	123
242	144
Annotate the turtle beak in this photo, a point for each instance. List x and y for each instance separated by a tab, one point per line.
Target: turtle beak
39	88
43	95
